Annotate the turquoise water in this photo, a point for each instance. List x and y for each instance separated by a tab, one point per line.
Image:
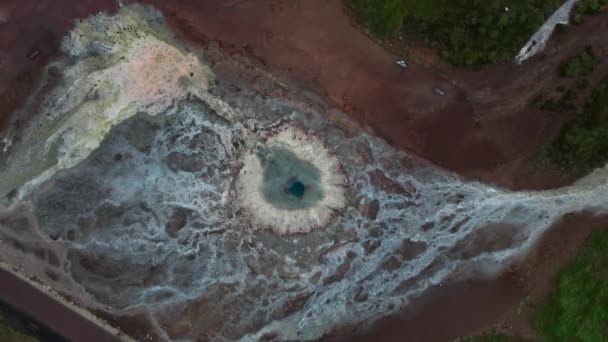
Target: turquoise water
290	182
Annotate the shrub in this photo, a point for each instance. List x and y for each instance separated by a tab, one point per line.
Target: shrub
587	7
468	33
583	142
580	65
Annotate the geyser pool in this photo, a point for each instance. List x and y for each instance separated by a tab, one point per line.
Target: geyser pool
289	182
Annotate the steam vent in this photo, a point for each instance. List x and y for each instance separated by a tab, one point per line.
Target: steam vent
291	184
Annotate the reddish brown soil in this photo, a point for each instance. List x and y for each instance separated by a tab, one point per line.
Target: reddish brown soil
482	128
537	273
30	33
506	305
444	314
48	311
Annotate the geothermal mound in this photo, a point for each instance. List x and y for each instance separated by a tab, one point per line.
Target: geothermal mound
222	214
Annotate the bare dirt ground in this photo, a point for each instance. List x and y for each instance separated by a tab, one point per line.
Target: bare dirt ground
505	305
483	128
30	33
536	274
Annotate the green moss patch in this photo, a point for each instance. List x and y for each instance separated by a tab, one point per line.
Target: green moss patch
578	309
580	65
582	144
9	334
468	33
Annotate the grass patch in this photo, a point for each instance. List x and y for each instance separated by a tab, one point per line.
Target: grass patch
587	7
582	144
578	309
8	334
469	33
493	337
580	65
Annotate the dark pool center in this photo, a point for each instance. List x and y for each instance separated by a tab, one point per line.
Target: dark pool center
290	182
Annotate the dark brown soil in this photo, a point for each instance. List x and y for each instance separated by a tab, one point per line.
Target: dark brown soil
50	312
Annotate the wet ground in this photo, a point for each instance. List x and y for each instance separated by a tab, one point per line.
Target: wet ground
483	128
312	45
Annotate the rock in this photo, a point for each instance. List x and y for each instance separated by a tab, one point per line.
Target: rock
178	220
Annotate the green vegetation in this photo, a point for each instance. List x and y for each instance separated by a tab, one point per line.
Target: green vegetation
468	33
587	7
582	145
577	67
580	65
578	309
8	334
488	338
